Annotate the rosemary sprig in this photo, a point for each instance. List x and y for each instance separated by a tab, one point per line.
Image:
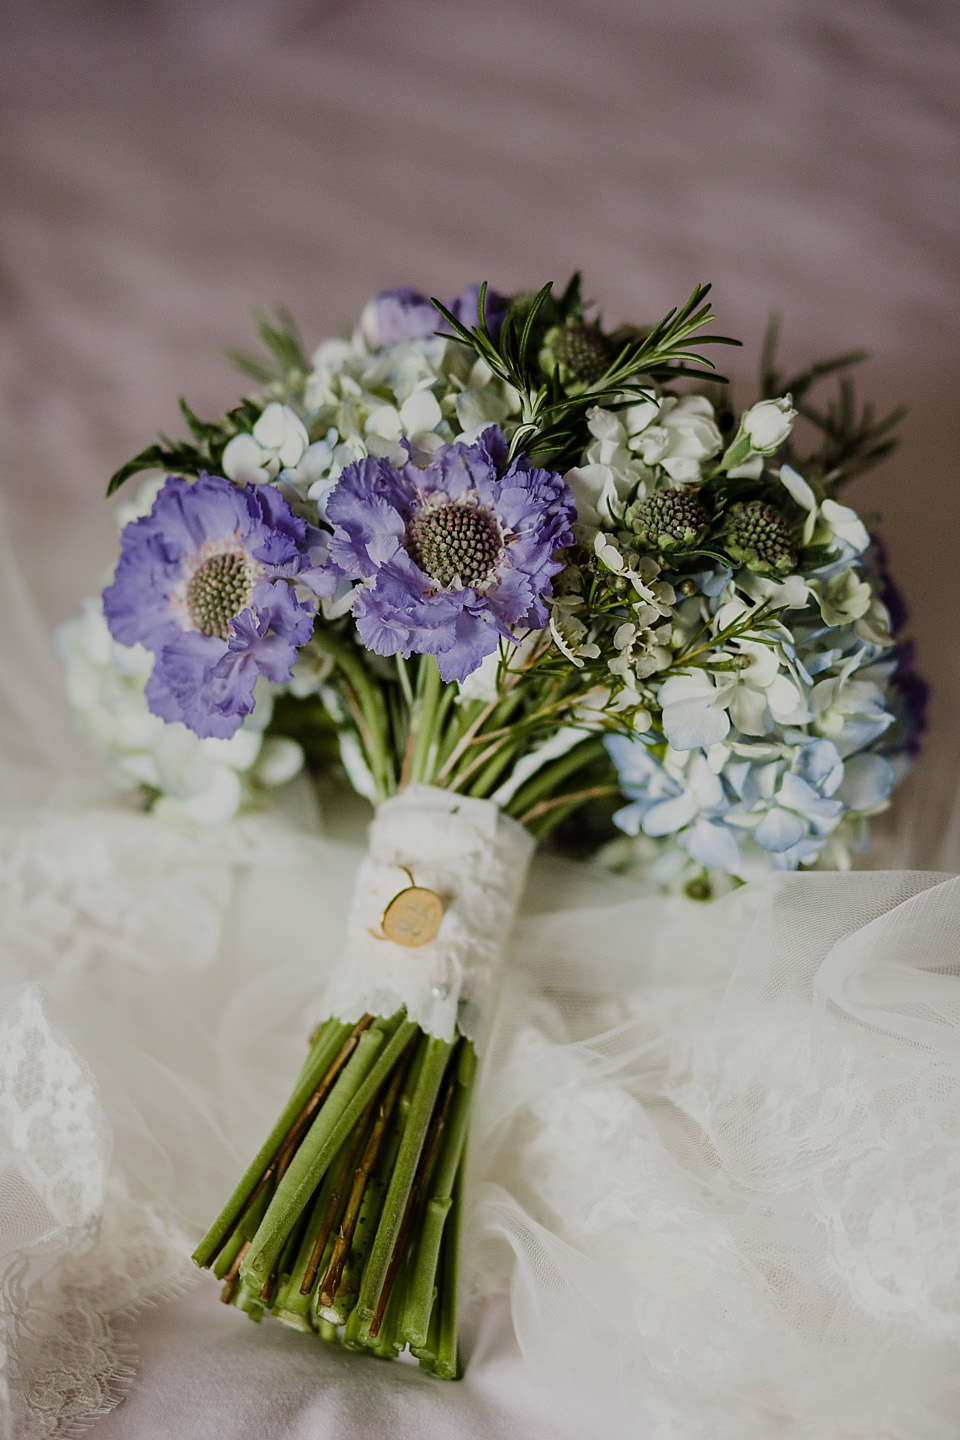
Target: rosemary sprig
551	419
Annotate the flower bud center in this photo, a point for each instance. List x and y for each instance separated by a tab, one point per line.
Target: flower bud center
455	543
217	591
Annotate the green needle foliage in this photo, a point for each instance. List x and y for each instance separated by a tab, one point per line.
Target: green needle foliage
552	418
851	437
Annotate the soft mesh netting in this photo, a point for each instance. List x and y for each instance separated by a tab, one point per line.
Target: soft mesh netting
715	1155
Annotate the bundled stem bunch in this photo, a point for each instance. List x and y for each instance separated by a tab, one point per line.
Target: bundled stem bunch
347	1221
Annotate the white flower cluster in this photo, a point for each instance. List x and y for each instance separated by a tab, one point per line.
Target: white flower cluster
655	443
360	401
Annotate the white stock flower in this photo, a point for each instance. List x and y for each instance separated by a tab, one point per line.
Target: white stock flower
683	434
600	493
277	441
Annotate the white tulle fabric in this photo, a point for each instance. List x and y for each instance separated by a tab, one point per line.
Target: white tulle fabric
474	858
715	1161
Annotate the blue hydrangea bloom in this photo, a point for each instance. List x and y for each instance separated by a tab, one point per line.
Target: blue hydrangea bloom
772	801
407	314
202	582
451	557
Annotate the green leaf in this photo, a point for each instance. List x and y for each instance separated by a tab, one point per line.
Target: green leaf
201	430
176	459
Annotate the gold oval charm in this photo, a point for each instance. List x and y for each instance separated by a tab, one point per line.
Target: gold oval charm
413	917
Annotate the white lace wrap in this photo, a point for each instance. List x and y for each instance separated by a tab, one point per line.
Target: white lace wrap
475	859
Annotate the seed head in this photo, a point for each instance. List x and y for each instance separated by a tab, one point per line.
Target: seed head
217	591
455	542
668	520
757	537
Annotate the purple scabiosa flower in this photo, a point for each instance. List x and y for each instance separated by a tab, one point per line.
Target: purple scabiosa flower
406	314
450	557
202	581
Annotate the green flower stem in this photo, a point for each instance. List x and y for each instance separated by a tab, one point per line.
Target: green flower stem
543	818
329	1042
486	781
247	1299
421	1286
550	779
373	712
423	737
403	676
495	711
437	1054
447	1363
295	1294
427	1352
246	1228
504	742
362	1077
372	1206
514	732
351	1216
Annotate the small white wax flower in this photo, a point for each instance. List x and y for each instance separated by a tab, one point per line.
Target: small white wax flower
607	553
768	423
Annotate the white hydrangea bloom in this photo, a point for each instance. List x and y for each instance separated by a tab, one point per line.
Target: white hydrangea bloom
277	441
201	781
363	400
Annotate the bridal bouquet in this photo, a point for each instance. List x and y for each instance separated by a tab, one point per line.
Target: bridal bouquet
506	569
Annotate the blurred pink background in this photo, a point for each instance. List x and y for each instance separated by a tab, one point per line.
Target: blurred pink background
167	165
